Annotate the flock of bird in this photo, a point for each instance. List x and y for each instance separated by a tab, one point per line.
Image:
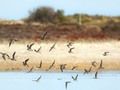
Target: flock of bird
61	66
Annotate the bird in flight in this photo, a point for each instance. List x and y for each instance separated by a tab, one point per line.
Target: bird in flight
101	65
25	62
13	57
96	75
73	68
105	53
62	67
40	66
93	63
38	51
75	78
87	71
52	47
66	84
70	50
12	41
30	70
52	65
4	55
29	47
69	44
37	80
44	36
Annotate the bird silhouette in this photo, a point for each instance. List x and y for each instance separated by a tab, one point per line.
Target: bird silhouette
37	80
38	51
52	47
13	57
44	36
101	65
74	68
70	50
75	78
30	70
87	71
69	44
66	84
12	41
4	55
96	75
62	67
29	47
51	65
25	62
40	66
93	63
105	53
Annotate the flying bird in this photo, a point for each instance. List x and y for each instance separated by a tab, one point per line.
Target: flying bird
44	36
13	57
86	71
101	65
4	55
52	47
38	51
66	84
29	47
73	68
93	63
96	75
37	80
52	65
105	53
30	70
40	66
70	50
62	67
12	41
25	62
69	44
75	78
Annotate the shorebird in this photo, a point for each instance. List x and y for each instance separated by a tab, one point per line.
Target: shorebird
105	53
75	78
62	66
52	65
12	41
30	70
38	51
37	80
87	71
29	47
101	65
44	36
40	66
69	44
25	62
52	47
66	84
70	50
93	63
4	55
13	57
96	75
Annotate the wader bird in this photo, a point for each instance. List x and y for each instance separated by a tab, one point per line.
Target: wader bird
30	70
62	67
96	75
105	53
29	47
52	65
74	68
87	71
93	63
25	62
69	45
13	57
12	41
38	51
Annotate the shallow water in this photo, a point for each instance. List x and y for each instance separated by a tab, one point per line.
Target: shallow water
53	80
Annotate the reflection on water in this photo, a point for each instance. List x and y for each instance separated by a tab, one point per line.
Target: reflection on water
56	80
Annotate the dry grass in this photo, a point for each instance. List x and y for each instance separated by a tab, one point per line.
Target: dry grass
82	56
